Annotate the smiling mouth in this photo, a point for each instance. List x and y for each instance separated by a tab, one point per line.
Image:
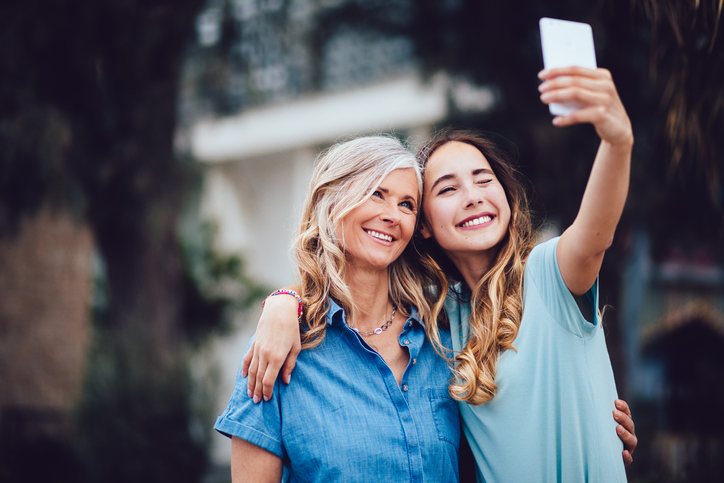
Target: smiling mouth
381	236
476	221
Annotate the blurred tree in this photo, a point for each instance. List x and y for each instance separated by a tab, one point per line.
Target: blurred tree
88	109
88	96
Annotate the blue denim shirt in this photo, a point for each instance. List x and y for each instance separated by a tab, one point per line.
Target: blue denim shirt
343	417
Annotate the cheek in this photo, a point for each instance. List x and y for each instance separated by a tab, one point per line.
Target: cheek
506	208
408	229
433	215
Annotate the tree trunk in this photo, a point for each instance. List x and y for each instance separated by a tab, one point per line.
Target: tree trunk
45	295
144	279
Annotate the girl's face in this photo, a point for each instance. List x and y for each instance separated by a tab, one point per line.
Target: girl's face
375	233
465	206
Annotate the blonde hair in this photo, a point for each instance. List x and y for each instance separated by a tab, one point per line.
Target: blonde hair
497	299
345	176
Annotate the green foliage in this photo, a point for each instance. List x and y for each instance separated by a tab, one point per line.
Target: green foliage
214	284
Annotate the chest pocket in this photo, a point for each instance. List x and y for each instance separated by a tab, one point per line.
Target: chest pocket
446	415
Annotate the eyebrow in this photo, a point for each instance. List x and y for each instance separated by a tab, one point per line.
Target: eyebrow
446	177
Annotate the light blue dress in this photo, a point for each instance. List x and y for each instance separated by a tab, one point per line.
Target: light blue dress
551	419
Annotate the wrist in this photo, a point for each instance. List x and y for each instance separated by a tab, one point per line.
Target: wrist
624	141
286	297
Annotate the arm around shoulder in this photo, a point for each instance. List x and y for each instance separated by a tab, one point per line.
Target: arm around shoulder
275	348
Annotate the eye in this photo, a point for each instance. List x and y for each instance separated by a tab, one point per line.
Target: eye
485	181
378	196
408	206
446	190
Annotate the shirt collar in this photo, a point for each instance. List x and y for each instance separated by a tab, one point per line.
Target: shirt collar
460	292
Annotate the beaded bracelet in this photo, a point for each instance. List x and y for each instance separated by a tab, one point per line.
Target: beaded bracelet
288	292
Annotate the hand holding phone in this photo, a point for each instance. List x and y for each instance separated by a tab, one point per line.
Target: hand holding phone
564	44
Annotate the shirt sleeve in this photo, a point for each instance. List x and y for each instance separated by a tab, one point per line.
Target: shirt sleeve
543	274
259	424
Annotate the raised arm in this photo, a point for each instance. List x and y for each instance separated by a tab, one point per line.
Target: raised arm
582	246
276	346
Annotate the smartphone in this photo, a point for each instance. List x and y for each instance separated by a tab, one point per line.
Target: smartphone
564	44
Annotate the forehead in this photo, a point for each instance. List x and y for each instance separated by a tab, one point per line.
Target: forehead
401	182
454	158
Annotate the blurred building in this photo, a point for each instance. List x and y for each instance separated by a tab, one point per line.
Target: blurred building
673	317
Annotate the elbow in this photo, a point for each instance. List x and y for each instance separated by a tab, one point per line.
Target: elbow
593	250
606	243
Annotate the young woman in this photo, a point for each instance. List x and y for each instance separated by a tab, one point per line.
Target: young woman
532	372
370	400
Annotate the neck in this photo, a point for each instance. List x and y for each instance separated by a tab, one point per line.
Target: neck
473	265
370	292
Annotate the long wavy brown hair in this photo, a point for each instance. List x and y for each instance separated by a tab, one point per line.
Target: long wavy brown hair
497	299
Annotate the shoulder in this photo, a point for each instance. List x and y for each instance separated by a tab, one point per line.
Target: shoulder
545	291
543	254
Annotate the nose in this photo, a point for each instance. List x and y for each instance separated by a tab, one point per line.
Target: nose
473	197
391	214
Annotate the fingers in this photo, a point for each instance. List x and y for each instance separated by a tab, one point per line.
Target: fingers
591	115
596	93
622	415
626	429
252	368
585	91
584	82
622	406
257	391
627	458
576	71
290	362
269	363
629	439
246	361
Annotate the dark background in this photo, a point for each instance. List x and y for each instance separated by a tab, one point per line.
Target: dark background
95	194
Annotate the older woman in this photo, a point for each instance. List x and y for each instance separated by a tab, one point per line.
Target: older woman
369	399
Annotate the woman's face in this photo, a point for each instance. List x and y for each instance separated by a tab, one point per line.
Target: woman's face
375	233
465	206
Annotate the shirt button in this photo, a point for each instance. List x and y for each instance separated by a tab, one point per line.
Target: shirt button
414	361
404	387
406	341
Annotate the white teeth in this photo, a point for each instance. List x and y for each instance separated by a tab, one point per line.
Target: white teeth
381	236
477	221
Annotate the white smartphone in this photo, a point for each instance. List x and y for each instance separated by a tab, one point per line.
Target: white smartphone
564	44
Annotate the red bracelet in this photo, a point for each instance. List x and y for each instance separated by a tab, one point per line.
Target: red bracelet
288	292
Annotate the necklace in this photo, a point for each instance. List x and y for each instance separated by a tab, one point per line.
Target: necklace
379	330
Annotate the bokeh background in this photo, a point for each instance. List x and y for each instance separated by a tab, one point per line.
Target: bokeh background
153	156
